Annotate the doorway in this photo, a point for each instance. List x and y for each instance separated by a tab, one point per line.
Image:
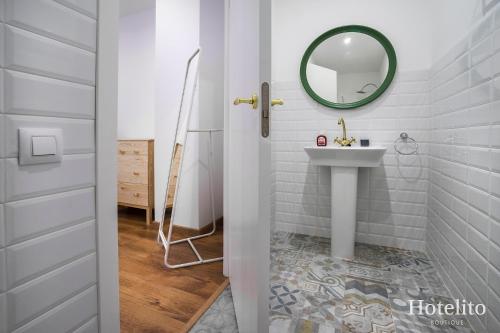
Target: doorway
251	292
156	40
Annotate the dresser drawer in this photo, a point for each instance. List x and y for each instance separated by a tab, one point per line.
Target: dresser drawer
133	194
133	169
133	148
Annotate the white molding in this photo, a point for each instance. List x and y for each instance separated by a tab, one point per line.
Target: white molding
106	196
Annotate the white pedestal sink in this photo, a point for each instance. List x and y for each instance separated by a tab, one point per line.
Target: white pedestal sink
344	163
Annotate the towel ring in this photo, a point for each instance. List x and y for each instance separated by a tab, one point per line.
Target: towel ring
405	141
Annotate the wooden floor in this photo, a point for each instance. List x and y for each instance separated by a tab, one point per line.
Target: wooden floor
152	297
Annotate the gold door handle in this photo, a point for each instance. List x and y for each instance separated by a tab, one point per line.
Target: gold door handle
252	101
277	102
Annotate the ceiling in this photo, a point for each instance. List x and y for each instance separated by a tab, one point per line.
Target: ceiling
128	7
363	54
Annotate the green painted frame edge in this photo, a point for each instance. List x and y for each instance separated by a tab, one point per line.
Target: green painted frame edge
391	55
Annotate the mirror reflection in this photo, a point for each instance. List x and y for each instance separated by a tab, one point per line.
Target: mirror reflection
347	67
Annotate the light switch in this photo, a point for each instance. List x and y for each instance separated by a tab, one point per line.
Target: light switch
40	145
43	145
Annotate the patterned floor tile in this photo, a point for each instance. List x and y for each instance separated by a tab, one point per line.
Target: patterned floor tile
378	256
366	307
293	263
286	324
373	288
323	284
389	257
360	270
292	279
434	284
328	264
220	317
285	299
411	264
312	292
407	279
322	310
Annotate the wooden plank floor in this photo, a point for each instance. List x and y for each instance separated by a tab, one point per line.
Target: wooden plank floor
152	297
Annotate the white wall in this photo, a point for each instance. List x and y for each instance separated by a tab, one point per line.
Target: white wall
128	7
296	23
392	198
177	37
454	19
463	233
182	27
136	76
211	93
48	270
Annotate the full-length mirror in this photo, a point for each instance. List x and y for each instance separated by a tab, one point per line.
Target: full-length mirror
348	67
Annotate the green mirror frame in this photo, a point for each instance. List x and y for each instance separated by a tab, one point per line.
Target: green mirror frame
389	49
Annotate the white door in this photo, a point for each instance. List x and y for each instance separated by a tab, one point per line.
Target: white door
248	162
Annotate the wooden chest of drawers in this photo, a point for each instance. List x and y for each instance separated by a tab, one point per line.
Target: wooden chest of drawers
136	175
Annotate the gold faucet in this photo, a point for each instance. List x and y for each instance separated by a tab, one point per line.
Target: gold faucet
344	142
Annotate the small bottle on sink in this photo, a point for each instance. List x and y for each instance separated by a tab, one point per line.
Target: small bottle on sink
321	140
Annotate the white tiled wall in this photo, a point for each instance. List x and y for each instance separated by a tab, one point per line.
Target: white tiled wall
392	204
47	212
463	233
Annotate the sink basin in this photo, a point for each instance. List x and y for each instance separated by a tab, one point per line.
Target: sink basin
344	163
346	156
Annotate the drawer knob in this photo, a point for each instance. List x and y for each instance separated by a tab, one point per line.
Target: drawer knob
122	187
122	151
136	195
136	173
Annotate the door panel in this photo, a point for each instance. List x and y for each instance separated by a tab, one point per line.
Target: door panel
248	163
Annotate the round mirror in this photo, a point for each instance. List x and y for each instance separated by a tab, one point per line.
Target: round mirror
348	67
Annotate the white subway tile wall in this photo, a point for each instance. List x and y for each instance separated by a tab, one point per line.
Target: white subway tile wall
392	203
88	327
463	232
48	280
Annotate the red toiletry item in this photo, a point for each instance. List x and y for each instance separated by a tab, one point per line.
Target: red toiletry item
321	140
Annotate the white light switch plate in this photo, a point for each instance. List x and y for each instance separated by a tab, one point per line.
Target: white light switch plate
40	145
43	145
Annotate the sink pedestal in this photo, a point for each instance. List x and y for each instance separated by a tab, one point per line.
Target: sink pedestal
344	163
344	196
